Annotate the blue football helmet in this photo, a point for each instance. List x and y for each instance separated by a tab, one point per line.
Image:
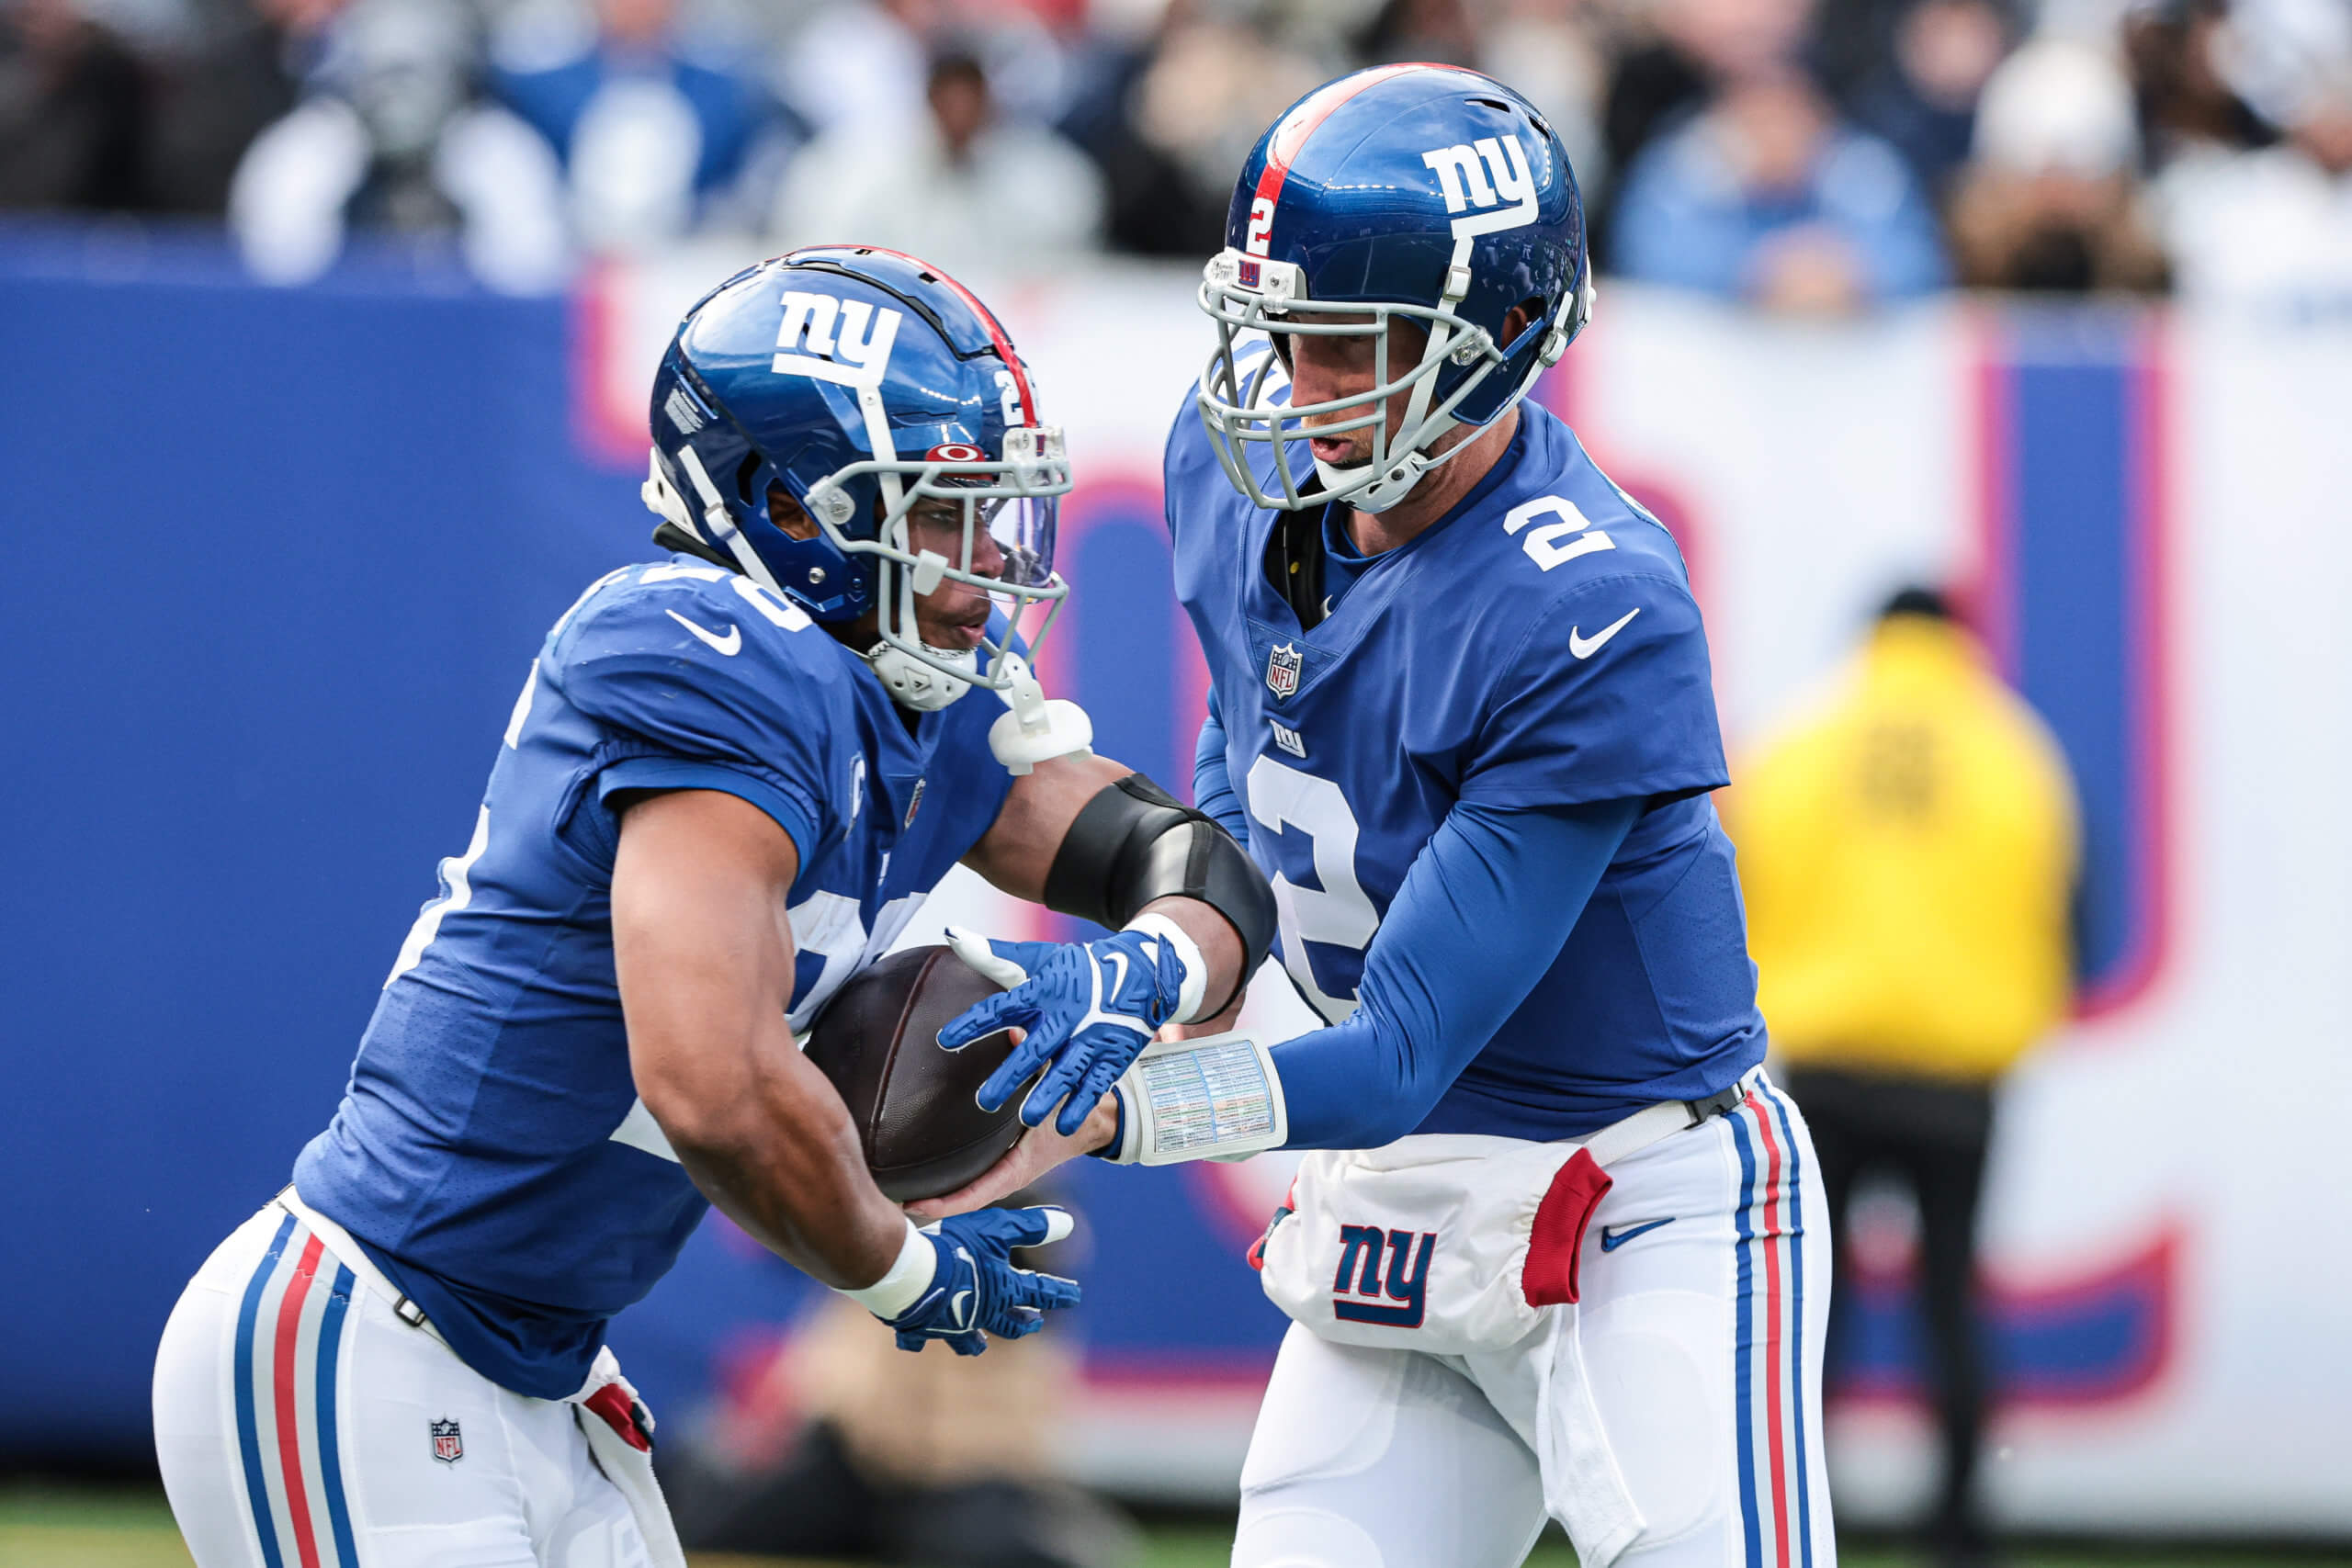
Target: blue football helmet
1425	193
876	389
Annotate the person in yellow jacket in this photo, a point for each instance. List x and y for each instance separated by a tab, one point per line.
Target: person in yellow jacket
1908	852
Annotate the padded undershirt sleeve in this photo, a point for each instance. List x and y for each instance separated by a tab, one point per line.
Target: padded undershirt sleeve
1483	910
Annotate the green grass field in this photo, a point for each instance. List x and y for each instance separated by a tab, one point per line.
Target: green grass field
130	1528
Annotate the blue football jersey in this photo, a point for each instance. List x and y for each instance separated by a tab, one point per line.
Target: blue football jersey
1538	647
490	1152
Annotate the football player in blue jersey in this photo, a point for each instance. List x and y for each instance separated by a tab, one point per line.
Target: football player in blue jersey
730	778
1559	1250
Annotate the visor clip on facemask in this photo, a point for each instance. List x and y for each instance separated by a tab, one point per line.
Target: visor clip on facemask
1039	729
830	502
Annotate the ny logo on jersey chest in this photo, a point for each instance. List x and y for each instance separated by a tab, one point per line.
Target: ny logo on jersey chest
1360	1294
1283	665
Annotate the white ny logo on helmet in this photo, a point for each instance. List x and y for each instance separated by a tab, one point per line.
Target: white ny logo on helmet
854	350
1484	173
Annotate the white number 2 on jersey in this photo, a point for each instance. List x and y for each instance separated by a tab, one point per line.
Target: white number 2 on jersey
1545	544
1338	913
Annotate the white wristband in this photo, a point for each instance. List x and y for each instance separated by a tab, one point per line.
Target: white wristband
905	1282
1214	1098
1193	991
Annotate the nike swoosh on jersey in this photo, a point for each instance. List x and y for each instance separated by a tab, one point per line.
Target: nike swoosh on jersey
1611	1240
1586	647
732	643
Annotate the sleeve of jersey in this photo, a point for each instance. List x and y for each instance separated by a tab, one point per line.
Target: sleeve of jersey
1186	461
1213	781
1608	697
681	714
1483	910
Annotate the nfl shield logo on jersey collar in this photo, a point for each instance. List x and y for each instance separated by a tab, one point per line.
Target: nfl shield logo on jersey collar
448	1443
1282	664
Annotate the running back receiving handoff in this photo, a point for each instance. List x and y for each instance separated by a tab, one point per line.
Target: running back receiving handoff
729	779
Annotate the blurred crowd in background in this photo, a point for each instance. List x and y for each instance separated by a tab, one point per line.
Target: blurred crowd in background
1809	155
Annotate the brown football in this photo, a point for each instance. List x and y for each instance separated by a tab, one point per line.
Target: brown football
912	1103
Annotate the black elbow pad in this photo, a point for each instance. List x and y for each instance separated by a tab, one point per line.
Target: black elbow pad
1135	843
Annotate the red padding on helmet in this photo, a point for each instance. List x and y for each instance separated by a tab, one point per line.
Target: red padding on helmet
1549	1276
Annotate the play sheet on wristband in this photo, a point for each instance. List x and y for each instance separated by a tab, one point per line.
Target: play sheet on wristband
1206	1098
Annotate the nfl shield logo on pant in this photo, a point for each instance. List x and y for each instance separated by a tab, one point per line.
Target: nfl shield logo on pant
1282	669
448	1443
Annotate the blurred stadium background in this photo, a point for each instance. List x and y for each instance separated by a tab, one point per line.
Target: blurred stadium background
325	330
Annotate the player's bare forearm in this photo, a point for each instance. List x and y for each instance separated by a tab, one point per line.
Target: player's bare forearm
1039	1150
1018	853
1221	1023
1018	850
1216	939
704	953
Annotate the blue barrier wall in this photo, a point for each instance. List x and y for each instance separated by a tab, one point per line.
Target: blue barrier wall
283	560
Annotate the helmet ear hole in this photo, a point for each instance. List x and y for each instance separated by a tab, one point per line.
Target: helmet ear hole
1531	313
743	472
790	519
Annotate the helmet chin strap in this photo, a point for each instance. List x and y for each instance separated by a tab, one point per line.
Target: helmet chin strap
915	685
1391	486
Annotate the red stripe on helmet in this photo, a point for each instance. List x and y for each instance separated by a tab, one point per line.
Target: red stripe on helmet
997	334
1291	134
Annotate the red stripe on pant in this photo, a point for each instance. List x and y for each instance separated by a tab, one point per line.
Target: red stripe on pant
289	1431
1773	1331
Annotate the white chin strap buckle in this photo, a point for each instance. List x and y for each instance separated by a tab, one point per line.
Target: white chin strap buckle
914	684
1037	729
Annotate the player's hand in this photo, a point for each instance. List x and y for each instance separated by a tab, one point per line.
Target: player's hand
974	1291
1037	1151
1088	1009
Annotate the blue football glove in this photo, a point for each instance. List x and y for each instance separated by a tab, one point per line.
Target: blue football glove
1087	1007
974	1291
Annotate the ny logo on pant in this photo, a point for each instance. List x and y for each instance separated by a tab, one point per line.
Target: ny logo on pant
1399	1303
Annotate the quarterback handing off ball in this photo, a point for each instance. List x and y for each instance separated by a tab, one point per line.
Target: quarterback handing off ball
914	1104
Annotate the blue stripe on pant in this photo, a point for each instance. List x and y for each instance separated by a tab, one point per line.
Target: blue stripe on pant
330	1450
1796	1322
248	1422
1750	1522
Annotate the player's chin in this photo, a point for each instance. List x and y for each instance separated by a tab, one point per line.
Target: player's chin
956	636
1339	453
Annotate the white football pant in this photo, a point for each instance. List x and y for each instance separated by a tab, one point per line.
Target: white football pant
1704	1280
302	1425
